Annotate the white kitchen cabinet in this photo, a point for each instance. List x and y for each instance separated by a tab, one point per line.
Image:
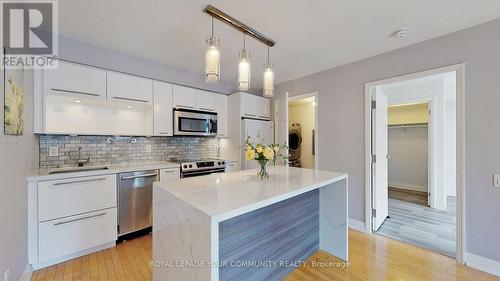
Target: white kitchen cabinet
254	106
221	108
263	108
129	88
205	101
248	105
171	174
68	197
75	80
66	236
163	113
231	166
184	97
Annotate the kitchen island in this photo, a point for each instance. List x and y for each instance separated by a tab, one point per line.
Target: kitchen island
232	226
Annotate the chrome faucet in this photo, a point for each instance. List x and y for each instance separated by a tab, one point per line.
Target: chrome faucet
81	161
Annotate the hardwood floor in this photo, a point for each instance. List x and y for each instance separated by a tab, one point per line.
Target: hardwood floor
372	257
412	196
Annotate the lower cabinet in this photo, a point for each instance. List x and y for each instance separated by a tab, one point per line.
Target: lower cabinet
167	175
62	237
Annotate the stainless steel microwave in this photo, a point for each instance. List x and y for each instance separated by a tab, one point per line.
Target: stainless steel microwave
194	123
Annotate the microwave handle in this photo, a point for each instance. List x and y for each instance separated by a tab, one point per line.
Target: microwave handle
213	126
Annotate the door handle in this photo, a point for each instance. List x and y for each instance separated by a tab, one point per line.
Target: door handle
79	219
140	176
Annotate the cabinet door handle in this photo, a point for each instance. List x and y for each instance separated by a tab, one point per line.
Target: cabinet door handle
74	92
185	106
77	181
79	219
163	133
129	99
170	171
263	116
207	109
248	114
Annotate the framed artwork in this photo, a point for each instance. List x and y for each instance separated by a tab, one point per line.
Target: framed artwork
13	101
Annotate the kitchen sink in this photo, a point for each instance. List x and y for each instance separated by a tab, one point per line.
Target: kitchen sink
76	170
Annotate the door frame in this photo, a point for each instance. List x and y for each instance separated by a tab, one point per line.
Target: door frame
314	94
460	163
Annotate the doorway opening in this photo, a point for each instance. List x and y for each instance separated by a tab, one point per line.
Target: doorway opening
415	188
301	132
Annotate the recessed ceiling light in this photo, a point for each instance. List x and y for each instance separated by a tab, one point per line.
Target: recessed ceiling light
78	101
129	106
401	33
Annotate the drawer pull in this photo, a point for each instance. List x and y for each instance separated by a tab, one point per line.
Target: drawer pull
75	92
129	99
140	176
163	133
78	181
248	114
170	171
79	219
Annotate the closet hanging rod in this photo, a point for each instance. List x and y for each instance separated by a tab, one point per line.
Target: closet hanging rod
225	18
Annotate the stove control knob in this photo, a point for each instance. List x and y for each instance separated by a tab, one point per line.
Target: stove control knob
223	163
190	166
219	163
185	166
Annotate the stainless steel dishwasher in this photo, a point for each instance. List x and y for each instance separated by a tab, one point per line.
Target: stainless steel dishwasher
135	200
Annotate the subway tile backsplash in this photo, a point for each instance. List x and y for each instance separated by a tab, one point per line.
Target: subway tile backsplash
123	149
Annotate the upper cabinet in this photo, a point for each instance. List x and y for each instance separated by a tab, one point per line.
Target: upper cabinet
184	97
129	88
76	80
254	106
222	115
163	115
205	101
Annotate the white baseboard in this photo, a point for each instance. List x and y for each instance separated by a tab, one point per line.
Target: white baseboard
484	264
27	273
357	225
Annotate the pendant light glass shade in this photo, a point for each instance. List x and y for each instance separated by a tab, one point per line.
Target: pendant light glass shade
244	68
212	58
268	86
268	79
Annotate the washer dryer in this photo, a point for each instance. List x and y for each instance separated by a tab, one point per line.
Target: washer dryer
294	143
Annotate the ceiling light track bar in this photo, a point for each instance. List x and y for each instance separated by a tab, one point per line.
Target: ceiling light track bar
220	15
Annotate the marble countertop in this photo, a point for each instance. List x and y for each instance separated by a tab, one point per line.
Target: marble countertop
44	174
226	195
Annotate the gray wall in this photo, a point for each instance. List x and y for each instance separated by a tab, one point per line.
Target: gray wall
341	120
18	156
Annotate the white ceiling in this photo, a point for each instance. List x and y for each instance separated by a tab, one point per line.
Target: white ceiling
311	35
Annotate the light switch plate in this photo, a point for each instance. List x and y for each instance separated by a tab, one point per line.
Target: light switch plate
53	151
496	180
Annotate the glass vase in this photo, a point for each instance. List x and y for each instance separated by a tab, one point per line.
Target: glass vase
263	172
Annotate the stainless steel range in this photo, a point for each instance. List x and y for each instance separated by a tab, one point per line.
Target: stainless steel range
193	168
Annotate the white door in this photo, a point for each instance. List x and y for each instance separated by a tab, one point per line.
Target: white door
380	196
281	123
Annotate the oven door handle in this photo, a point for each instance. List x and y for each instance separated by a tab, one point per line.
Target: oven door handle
200	173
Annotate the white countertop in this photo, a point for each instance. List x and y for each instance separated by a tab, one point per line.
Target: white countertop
226	195
43	175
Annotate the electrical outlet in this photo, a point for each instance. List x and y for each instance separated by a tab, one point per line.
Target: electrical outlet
6	275
148	148
496	180
53	151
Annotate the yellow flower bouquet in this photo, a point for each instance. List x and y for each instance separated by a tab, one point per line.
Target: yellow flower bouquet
263	154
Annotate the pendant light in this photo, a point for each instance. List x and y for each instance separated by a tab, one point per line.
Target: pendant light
268	87
244	68
212	58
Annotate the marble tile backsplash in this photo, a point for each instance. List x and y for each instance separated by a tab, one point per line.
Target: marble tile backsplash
122	149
